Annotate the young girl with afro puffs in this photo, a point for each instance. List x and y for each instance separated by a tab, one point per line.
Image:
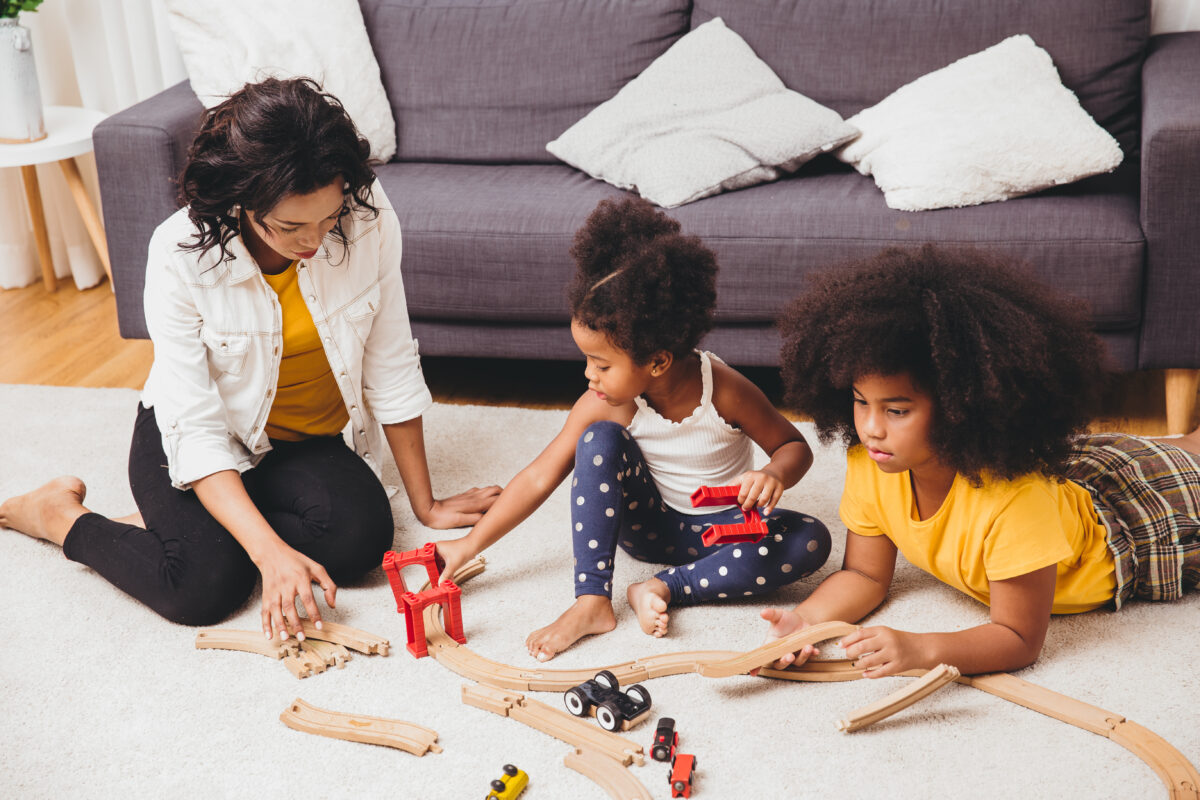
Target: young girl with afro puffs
963	388
658	420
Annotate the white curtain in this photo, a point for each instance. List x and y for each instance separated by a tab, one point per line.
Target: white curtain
100	55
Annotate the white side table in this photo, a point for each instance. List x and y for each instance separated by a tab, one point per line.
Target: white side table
68	134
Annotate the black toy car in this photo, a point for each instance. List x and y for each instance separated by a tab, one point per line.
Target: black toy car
603	697
665	740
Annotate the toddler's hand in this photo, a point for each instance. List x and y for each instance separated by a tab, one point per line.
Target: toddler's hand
881	651
783	623
455	552
759	488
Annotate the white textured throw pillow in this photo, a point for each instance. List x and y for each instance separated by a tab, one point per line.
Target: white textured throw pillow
993	125
707	116
230	43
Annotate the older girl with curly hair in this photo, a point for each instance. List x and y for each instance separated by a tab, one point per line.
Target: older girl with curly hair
276	308
963	388
659	420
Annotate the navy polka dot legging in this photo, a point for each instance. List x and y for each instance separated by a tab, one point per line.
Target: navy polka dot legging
614	501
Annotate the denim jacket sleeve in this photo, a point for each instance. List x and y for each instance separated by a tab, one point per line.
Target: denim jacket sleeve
393	384
187	405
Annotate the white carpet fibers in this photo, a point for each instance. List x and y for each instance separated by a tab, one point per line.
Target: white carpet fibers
101	698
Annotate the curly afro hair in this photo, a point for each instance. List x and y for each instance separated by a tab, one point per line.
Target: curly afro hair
640	281
1012	366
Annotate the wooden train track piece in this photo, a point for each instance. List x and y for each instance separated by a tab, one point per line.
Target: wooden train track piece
772	651
304	664
334	655
900	699
559	724
245	641
607	774
363	642
406	736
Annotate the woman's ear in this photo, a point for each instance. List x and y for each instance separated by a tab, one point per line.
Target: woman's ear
660	362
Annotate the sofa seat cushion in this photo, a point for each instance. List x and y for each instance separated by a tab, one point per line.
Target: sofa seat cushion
491	243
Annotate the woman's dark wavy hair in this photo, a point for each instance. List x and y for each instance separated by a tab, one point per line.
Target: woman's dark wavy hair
269	140
1012	366
640	281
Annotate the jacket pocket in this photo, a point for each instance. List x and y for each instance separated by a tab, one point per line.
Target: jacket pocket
360	312
226	351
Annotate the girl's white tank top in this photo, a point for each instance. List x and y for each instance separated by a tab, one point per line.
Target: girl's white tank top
701	450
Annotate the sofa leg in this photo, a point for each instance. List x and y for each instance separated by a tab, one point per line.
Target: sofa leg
1181	399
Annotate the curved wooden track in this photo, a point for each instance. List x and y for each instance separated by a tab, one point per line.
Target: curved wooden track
406	736
1180	776
608	775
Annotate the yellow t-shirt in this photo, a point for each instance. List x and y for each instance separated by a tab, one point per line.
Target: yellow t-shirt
1000	530
307	401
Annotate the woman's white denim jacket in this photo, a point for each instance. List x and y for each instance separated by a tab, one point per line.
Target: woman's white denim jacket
217	332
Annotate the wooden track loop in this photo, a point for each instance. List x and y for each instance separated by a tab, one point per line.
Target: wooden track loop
559	724
406	736
1180	776
608	775
898	700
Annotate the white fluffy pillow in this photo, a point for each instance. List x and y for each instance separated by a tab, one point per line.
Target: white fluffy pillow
226	45
993	125
708	115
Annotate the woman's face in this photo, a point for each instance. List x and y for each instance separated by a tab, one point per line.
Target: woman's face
297	225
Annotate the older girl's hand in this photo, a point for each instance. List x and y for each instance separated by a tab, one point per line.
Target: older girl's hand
784	622
286	575
881	651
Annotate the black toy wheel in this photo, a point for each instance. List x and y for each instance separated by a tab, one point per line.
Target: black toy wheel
606	679
498	786
609	716
576	701
638	694
510	770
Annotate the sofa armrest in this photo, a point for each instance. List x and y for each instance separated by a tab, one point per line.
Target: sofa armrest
1170	202
139	154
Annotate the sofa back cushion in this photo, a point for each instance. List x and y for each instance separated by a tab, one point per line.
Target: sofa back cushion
495	80
850	54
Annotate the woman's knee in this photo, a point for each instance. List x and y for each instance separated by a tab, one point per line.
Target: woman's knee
205	597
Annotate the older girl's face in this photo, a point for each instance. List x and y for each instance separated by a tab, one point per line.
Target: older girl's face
893	419
297	225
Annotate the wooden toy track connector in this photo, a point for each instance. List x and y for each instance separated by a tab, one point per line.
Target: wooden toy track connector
900	699
558	724
607	774
406	736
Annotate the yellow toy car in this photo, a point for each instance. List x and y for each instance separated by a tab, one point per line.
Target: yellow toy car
510	785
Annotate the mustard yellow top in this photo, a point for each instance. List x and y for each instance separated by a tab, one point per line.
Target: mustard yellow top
1000	530
307	400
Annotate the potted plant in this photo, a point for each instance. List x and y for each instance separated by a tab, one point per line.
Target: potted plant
20	97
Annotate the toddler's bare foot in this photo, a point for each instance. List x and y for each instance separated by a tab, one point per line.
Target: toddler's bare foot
648	600
589	614
47	512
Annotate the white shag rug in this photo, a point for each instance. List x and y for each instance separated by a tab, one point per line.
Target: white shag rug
99	697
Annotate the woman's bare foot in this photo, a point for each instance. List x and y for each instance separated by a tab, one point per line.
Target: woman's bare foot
589	614
47	512
649	600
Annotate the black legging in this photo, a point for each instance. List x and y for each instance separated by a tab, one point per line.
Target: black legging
317	494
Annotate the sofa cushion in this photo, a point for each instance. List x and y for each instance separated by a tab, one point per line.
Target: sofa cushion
489	243
851	54
493	82
707	116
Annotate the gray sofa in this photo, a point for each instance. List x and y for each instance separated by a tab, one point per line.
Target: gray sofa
488	215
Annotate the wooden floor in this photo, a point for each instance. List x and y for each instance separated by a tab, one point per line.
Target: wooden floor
69	338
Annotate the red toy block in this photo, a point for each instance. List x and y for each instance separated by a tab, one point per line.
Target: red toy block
448	596
752	530
425	556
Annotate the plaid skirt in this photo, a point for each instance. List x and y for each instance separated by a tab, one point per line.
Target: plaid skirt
1147	496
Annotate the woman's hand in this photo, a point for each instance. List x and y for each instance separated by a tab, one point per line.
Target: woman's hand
455	552
782	624
881	651
760	488
460	511
286	575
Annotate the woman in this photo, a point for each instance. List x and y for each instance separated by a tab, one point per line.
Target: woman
276	308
